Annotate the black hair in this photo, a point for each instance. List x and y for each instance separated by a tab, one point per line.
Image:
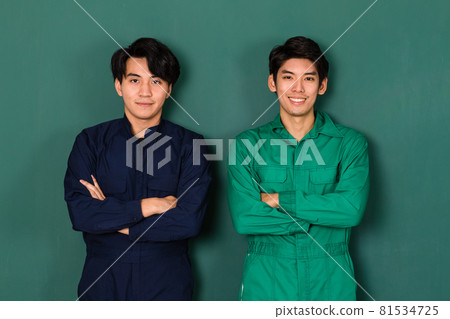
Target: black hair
161	61
300	48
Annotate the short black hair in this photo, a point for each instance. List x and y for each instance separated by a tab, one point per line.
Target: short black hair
161	61
300	48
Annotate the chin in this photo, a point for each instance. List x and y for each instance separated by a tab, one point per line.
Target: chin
297	112
301	112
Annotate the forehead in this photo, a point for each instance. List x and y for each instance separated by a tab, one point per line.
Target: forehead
137	66
298	66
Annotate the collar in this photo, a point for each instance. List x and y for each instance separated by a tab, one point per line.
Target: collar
127	125
323	124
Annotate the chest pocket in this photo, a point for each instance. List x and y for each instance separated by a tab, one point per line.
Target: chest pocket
164	185
111	181
323	180
272	179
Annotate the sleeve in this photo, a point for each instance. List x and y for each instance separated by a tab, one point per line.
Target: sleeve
345	206
249	214
86	213
185	220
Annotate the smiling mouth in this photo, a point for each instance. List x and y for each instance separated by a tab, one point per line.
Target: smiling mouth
299	100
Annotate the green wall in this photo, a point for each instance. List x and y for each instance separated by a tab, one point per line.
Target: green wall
388	79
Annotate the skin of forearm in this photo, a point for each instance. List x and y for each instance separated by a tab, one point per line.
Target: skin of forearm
154	205
270	199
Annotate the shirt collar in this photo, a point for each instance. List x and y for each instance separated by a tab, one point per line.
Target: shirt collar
129	132
323	125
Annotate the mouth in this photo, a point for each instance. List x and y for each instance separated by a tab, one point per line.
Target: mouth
297	100
144	104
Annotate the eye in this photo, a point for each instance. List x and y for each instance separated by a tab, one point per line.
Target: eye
287	77
309	78
156	82
134	81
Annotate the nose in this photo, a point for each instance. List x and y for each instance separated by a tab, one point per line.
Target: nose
298	86
145	90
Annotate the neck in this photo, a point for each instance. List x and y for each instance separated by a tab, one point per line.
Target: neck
138	126
297	126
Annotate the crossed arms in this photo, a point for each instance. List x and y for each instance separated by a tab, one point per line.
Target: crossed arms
257	213
149	206
93	212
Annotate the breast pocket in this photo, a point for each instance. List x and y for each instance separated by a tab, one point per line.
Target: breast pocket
111	175
163	185
323	180
111	182
272	179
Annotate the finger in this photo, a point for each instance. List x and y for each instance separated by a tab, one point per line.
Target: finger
95	190
98	188
172	200
93	194
169	203
91	188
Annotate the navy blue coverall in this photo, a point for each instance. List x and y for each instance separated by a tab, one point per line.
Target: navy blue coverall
157	266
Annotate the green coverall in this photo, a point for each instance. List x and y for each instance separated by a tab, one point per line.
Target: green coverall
323	184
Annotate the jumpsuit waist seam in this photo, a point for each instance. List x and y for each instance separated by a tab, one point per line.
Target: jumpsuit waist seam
297	251
137	254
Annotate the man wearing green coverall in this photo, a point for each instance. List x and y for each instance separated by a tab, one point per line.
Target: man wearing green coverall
296	186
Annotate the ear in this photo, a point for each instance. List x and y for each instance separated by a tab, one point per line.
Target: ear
323	86
118	86
169	90
271	84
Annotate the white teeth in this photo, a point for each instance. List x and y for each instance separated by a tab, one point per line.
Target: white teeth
297	100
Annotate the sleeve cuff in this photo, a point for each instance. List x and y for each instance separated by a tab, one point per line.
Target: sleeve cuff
299	226
287	201
134	211
306	213
134	232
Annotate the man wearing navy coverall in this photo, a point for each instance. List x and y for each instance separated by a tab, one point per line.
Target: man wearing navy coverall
114	203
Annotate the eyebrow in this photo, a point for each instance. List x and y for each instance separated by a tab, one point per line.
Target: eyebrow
133	74
137	75
290	72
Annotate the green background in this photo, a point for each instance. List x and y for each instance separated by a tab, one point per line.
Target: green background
388	79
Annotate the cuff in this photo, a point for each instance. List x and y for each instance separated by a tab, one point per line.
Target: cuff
299	226
307	213
287	201
134	232
134	211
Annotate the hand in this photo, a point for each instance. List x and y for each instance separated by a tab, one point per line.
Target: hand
94	190
167	203
270	199
156	205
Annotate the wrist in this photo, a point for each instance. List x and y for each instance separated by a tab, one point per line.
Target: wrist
148	206
276	200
